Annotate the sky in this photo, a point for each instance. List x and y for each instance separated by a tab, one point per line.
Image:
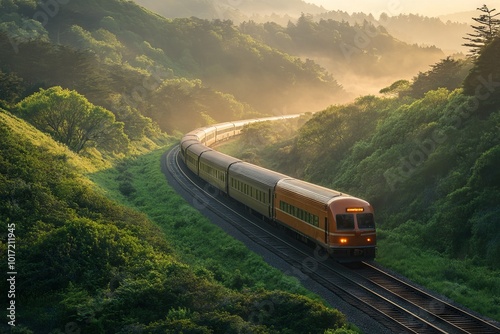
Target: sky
396	7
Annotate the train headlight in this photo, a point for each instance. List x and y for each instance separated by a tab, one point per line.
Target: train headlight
343	240
369	239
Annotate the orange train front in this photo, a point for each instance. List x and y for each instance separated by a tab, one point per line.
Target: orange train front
342	224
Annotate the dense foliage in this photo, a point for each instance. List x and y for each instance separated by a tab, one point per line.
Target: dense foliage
448	73
484	80
70	119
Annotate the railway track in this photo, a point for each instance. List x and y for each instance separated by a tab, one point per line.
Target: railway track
400	309
451	317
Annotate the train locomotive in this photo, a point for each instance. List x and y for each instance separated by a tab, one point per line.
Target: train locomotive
340	224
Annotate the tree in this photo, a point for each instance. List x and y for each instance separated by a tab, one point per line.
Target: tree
398	88
483	81
485	32
448	73
72	120
11	87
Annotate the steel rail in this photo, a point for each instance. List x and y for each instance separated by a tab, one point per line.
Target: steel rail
460	320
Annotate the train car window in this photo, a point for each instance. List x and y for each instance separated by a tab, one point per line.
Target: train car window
365	220
299	213
345	222
191	160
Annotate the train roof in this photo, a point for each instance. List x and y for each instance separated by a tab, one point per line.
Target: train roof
189	141
255	173
302	188
194	132
219	159
223	126
199	149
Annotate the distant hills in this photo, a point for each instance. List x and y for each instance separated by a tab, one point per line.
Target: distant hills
461	17
229	9
445	32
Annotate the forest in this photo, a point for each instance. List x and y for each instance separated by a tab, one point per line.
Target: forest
92	93
362	49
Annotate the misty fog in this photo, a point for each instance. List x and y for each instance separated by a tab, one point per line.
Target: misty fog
362	60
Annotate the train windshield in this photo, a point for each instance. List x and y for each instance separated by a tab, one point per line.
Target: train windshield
345	222
365	220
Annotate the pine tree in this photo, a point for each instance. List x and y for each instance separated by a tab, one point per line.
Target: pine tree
485	32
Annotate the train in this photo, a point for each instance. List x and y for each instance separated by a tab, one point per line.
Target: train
340	224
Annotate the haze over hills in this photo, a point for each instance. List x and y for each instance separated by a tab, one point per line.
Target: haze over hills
461	17
446	35
373	48
230	9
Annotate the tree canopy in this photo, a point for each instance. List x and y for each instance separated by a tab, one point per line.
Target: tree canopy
72	120
483	81
485	32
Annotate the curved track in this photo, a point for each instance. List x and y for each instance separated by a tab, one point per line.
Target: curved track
449	317
365	291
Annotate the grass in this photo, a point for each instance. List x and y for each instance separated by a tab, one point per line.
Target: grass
196	240
462	281
91	163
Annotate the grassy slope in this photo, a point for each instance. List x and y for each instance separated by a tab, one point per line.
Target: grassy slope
459	280
39	139
197	241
